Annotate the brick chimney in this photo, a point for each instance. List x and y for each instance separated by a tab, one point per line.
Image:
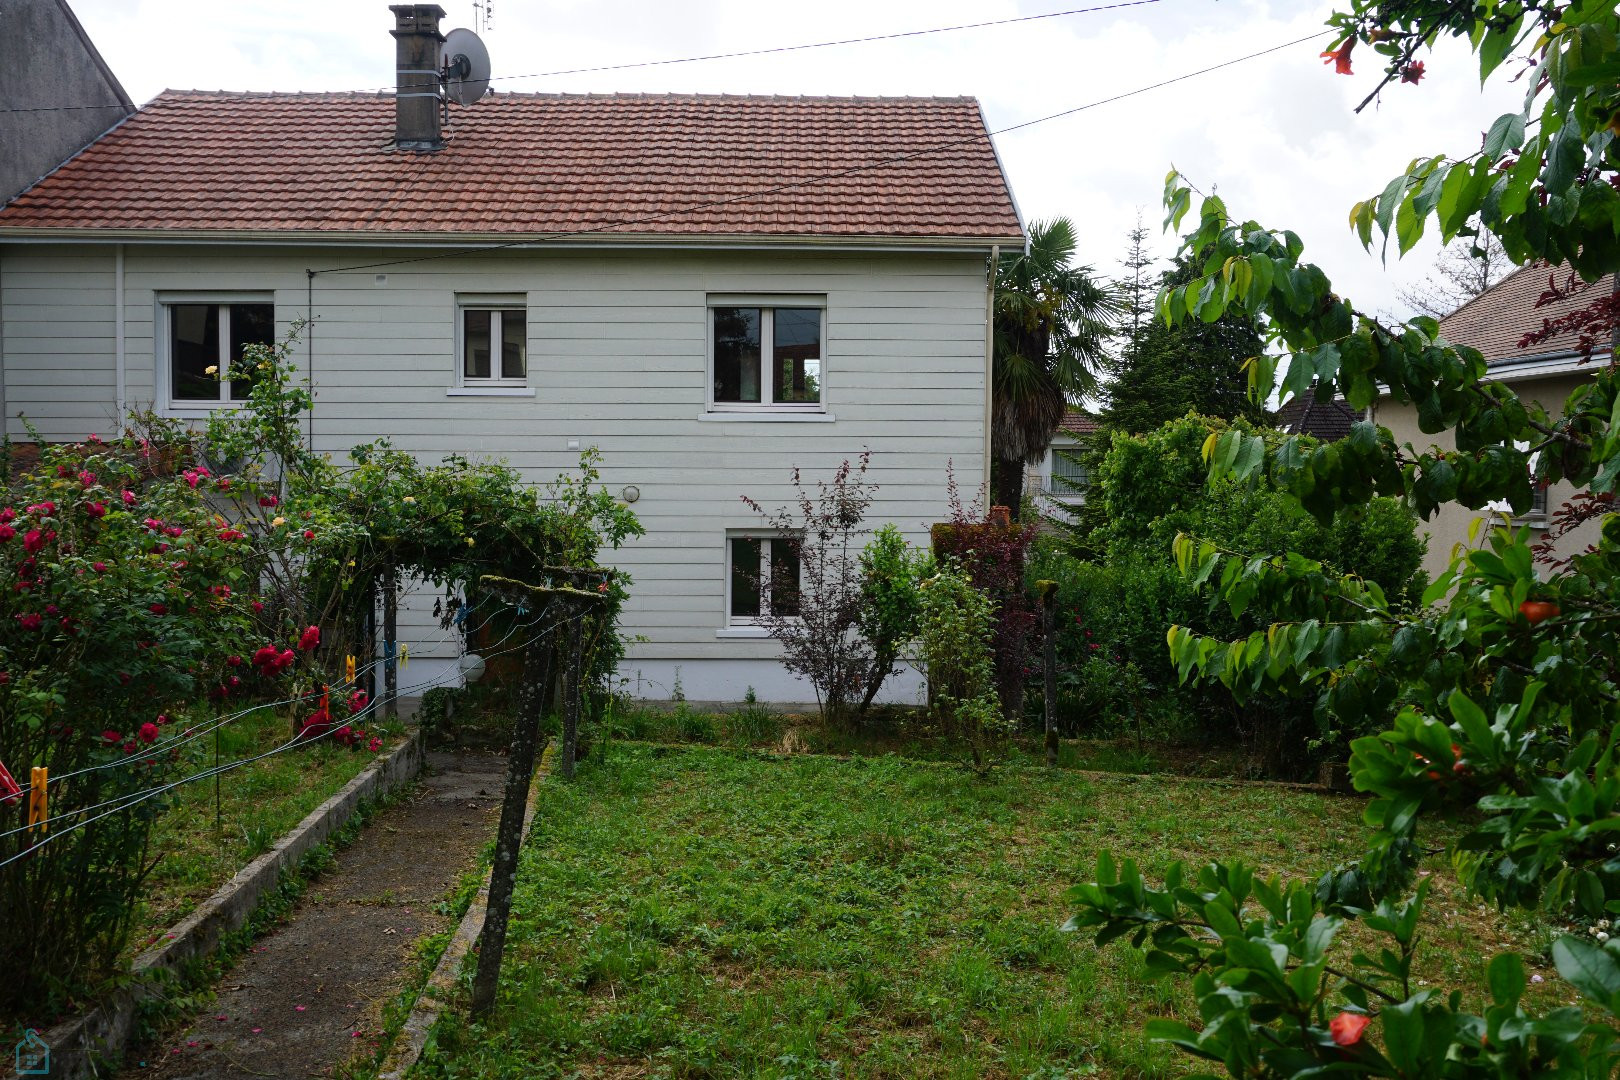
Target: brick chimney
416	92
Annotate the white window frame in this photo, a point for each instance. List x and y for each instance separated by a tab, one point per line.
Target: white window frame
767	537
767	303
1052	479
494	384
163	348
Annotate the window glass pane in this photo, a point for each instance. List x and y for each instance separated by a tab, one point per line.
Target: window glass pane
796	355
251	324
193	349
514	345
736	354
745	579
475	344
1068	476
784	578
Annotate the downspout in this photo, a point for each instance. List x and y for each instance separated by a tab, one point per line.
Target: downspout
118	334
5	416
989	359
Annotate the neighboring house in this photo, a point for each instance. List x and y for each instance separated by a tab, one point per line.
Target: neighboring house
1494	323
712	290
1326	420
1059	481
56	93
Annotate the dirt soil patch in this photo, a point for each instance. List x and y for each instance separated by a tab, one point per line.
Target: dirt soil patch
309	994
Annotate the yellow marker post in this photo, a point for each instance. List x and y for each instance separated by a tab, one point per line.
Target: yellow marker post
38	782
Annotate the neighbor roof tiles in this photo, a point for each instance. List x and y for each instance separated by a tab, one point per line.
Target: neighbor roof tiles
1495	321
520	164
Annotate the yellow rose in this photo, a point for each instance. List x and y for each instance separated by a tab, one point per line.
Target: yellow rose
278	522
211	369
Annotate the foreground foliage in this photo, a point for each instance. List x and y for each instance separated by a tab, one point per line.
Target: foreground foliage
1503	697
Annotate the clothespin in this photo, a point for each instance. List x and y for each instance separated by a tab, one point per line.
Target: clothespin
404	656
388	650
348	668
38	811
326	699
9	791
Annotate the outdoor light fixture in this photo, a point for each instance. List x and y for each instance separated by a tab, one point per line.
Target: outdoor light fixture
630	493
472	667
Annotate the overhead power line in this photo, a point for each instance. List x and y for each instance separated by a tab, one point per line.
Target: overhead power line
739	54
821	178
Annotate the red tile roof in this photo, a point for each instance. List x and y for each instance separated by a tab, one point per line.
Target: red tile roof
522	164
1495	321
1077	422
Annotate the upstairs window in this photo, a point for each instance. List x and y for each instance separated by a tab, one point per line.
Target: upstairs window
762	578
766	357
205	342
493	344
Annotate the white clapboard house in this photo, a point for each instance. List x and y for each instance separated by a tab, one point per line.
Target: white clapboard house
712	290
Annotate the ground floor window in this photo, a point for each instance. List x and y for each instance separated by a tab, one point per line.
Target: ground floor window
762	578
205	342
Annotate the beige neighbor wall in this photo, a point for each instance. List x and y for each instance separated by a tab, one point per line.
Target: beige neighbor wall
1450	525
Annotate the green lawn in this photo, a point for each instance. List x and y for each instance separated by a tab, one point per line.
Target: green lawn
700	912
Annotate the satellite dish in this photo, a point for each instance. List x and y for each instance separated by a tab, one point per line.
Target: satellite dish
466	67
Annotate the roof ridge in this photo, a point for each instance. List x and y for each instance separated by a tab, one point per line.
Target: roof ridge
173	94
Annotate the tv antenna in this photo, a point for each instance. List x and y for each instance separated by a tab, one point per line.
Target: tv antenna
465	70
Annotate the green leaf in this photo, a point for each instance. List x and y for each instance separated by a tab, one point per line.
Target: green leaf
1564	160
1506	977
1588	968
1506	134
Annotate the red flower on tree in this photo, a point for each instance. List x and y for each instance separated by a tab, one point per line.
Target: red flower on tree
1412	72
1346	1028
1340	57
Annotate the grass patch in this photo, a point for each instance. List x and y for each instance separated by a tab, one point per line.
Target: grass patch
698	912
259	803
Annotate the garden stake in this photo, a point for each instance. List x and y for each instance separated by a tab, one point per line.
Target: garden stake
38	804
1048	591
390	630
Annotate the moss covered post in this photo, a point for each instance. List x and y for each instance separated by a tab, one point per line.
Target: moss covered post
1048	594
552	608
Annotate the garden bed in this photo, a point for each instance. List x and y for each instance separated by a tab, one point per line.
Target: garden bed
704	912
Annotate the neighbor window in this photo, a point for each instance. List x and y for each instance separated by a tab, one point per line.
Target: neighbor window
1069	478
494	345
205	343
762	578
766	357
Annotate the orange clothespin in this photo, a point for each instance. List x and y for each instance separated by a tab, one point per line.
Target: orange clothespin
348	668
9	791
39	780
326	699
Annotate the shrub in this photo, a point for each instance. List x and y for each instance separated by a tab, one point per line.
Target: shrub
956	631
890	602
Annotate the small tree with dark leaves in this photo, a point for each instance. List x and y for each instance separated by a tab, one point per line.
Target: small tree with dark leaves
817	618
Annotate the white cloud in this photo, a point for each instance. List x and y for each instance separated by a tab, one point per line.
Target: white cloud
1276	136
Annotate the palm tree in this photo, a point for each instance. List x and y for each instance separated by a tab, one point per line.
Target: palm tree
1051	320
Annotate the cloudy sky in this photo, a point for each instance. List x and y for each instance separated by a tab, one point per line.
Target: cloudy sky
1276	135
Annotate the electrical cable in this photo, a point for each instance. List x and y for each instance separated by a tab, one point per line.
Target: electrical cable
767	51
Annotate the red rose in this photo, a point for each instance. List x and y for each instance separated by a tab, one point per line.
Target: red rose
5	677
6	533
309	534
87	478
162	719
310	638
99	567
128	496
234	661
7	516
112	737
175	530
159	609
1347	1027
257	606
148	732
31	621
33	540
358	700
269	500
374	745
231	534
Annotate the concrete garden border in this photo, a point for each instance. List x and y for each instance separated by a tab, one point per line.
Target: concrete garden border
81	1045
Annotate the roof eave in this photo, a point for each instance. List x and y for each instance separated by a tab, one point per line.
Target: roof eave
482	242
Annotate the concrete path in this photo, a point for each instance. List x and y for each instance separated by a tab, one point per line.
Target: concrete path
309	994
